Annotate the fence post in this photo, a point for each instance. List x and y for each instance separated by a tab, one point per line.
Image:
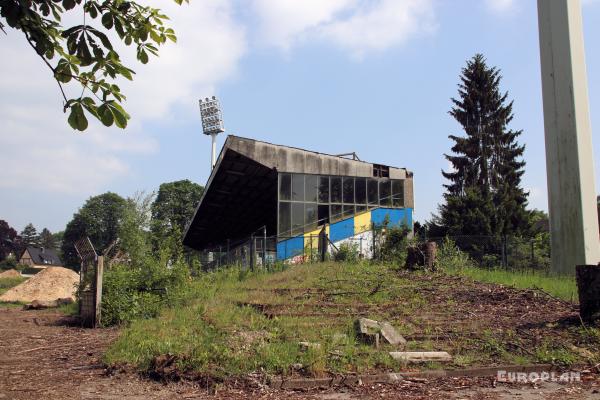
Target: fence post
98	295
532	253
323	243
264	258
360	252
252	250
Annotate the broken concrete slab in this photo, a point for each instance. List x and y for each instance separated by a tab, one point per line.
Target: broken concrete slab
390	334
308	345
421	356
370	330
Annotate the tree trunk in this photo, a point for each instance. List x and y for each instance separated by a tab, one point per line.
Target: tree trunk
588	285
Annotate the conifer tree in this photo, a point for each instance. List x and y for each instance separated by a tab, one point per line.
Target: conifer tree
29	236
484	194
47	240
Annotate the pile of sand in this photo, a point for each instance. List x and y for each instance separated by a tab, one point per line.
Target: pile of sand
11	273
47	285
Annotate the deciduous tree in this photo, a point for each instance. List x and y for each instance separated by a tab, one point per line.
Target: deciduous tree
8	240
100	219
174	206
84	54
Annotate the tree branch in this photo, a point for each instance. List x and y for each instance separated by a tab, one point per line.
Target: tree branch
51	68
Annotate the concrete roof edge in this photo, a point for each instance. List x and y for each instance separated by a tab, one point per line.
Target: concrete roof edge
235	137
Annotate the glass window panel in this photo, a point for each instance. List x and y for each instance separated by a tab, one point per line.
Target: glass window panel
360	191
372	192
360	208
323	189
323	214
349	190
297	218
398	193
285	220
311	188
385	195
310	216
285	187
336	212
348	210
298	187
336	189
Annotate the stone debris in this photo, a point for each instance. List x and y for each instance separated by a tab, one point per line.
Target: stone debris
370	331
39	305
308	345
421	356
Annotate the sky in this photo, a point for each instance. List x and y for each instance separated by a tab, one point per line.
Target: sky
370	76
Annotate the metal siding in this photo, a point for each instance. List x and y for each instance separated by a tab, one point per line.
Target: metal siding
341	230
362	222
396	216
290	248
311	240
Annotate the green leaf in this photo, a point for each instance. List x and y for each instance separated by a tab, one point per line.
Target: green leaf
107	20
77	118
156	37
106	115
120	115
126	72
143	56
68	4
103	38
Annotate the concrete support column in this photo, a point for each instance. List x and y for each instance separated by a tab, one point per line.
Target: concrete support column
213	150
569	154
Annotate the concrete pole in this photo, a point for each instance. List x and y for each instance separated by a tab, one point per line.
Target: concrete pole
213	152
569	154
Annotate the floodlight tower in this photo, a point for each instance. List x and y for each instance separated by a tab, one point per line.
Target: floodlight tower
212	124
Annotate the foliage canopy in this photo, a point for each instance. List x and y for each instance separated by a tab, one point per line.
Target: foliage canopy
484	194
84	54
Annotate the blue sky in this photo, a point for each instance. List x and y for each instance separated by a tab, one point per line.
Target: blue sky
370	76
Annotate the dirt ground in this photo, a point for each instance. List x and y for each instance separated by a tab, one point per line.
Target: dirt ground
43	356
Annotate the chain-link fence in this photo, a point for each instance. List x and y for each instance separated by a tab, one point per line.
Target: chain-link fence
509	252
377	243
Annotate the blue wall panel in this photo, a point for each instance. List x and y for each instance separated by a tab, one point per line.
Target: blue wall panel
290	248
395	216
341	230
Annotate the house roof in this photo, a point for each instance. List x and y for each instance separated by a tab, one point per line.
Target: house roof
42	256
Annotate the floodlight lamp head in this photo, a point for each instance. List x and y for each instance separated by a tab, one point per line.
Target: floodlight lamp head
212	119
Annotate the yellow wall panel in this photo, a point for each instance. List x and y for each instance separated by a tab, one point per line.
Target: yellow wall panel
362	222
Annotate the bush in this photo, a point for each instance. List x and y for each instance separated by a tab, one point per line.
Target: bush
450	257
132	292
393	247
8	263
347	252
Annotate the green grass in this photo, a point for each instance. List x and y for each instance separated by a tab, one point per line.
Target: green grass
559	286
7	283
220	333
235	322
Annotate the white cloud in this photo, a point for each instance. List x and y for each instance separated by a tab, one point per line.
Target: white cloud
500	6
283	22
359	26
376	28
37	147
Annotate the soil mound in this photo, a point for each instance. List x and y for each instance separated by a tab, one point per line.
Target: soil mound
47	285
11	273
